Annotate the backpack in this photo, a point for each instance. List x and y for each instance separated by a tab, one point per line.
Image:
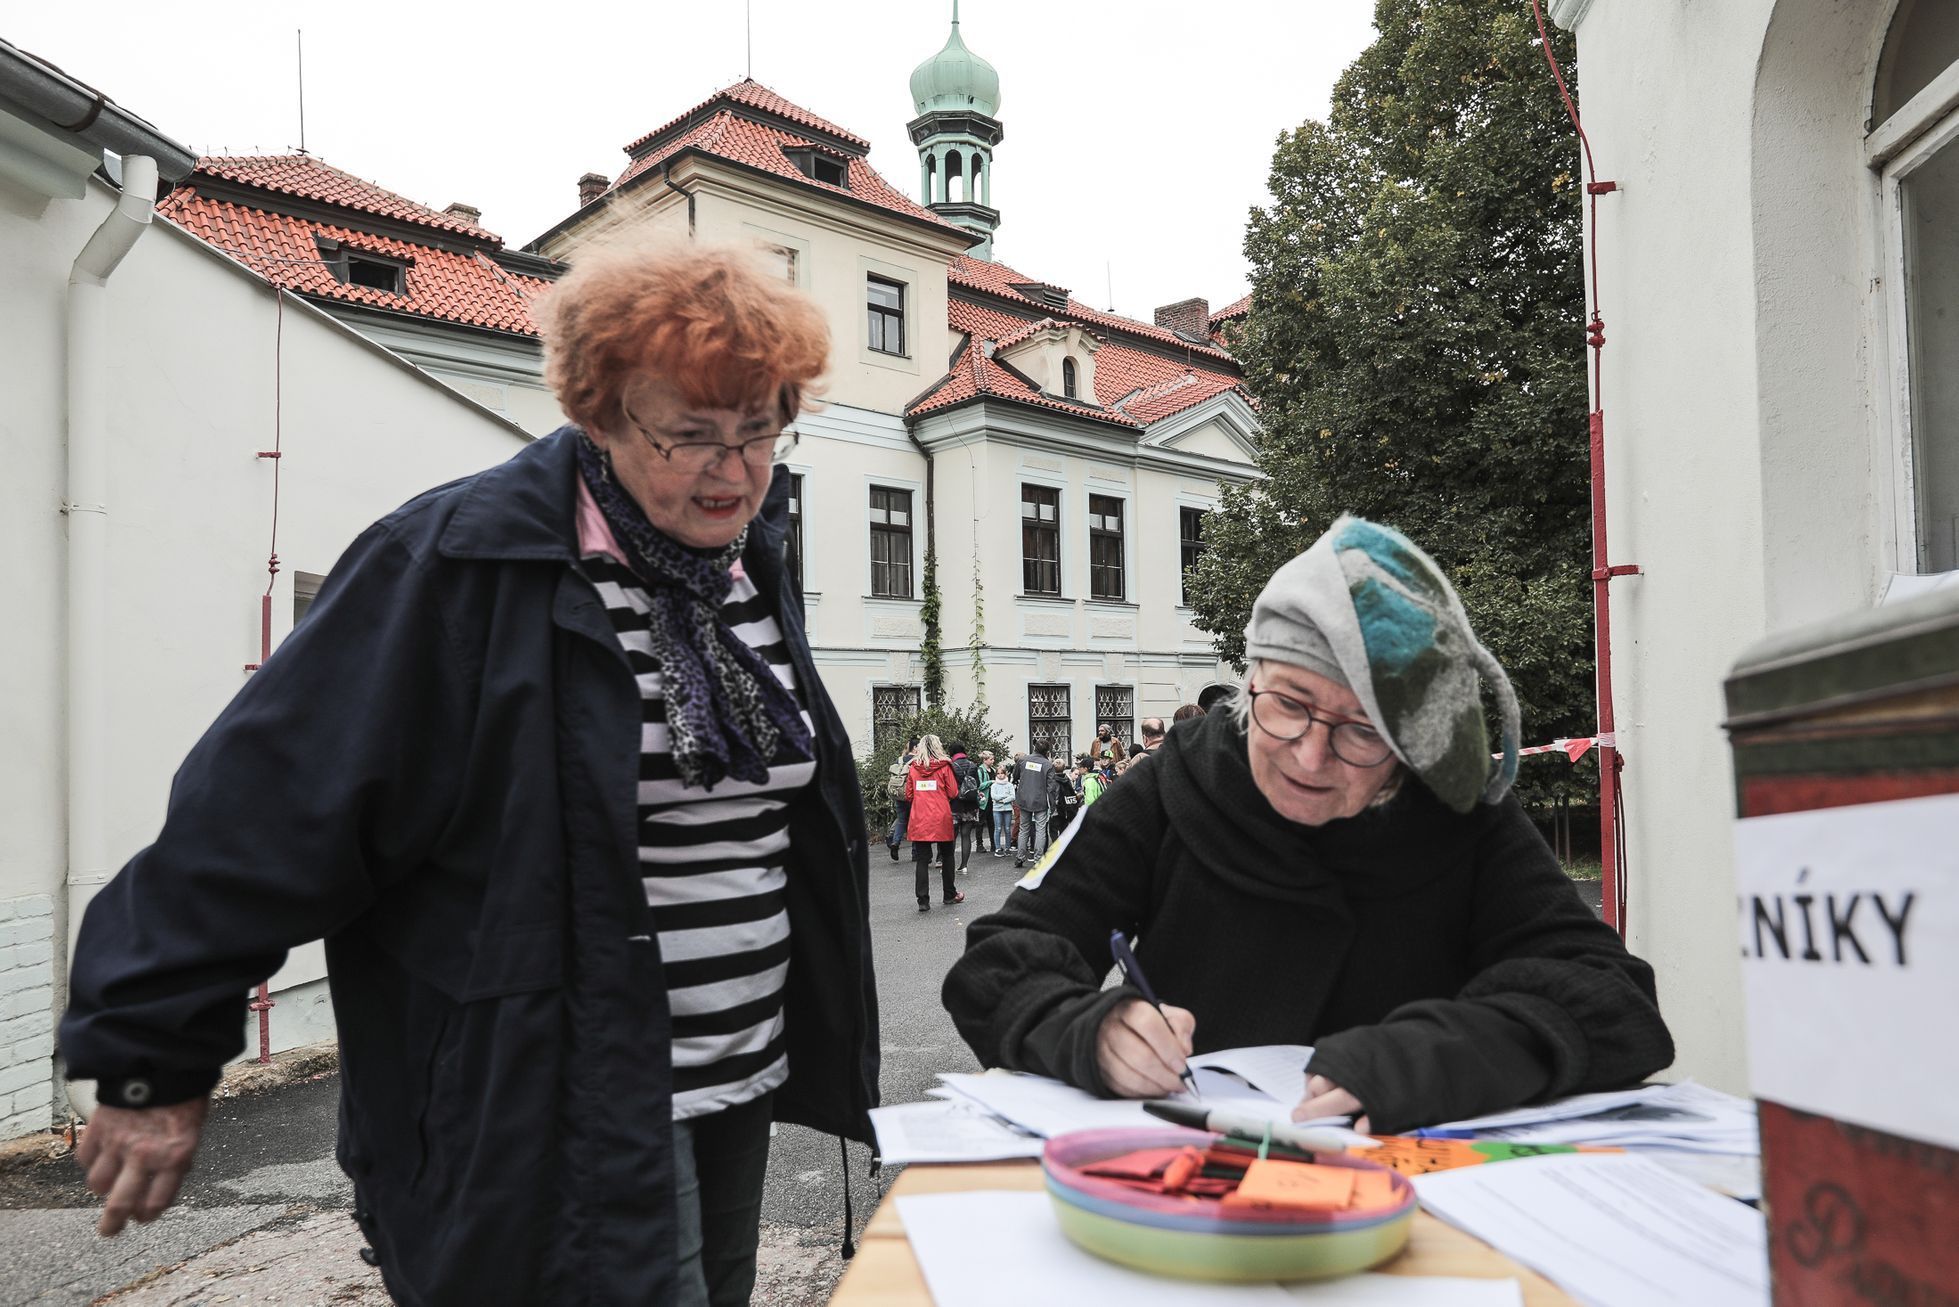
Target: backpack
969	783
895	787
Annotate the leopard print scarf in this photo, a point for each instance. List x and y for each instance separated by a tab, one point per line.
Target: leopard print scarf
727	713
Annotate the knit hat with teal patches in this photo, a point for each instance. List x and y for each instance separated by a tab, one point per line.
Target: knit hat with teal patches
1366	608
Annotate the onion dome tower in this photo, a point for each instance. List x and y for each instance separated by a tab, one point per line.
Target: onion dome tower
956	95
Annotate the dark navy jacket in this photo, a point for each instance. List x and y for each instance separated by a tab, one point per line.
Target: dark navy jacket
438	773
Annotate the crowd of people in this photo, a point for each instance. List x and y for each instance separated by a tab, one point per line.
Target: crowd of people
950	803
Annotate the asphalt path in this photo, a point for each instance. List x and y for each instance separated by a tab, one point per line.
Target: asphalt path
266	1164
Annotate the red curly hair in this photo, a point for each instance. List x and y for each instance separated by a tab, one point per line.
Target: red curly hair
710	320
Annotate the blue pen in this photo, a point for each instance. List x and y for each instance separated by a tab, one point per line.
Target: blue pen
1133	972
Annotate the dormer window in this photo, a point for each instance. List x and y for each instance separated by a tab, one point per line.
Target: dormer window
818	166
354	267
1069	388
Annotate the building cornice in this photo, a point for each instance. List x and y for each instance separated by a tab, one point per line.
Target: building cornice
1569	13
1059	433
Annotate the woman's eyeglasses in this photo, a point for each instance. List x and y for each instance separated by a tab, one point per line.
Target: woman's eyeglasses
1285	718
700	455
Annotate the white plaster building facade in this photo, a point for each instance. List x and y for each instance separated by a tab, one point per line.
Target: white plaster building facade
135	524
1780	283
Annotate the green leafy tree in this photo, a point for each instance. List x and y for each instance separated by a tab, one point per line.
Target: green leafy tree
1416	346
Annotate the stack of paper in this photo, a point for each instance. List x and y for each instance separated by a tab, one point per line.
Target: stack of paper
1685	1117
984	1117
1613	1230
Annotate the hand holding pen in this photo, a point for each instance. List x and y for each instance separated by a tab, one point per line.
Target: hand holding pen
1143	1045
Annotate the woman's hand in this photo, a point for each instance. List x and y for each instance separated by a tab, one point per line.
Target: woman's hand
1140	1054
136	1159
1324	1098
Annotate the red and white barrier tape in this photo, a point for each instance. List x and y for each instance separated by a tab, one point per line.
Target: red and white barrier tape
1574	748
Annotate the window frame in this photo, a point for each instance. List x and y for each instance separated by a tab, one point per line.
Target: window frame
1053	533
794	539
1925	127
1122	727
916	695
1065	753
1070	379
1186	558
891	532
878	318
1118	534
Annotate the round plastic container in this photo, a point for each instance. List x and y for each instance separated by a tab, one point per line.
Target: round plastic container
1191	1238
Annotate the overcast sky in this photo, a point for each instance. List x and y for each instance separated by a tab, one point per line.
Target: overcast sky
1138	132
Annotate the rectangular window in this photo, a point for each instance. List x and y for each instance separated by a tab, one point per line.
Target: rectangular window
793	549
784	257
305	589
1190	539
1049	720
1040	540
890	543
1116	705
1104	547
891	707
885	301
1928	208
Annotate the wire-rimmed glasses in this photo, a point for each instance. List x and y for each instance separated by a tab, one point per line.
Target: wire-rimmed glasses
700	455
1283	717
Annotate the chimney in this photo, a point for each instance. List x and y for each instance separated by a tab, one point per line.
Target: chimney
591	186
469	213
1187	318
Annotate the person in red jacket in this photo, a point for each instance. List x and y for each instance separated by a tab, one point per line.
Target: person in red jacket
930	786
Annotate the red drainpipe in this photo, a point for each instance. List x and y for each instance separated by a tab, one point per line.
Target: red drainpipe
263	1003
1611	798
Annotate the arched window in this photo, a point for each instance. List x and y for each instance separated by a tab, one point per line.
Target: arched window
1068	382
955	178
1915	145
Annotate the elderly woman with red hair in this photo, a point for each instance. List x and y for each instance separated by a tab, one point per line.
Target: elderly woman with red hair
549	768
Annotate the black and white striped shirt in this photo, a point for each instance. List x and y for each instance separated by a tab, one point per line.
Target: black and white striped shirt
714	869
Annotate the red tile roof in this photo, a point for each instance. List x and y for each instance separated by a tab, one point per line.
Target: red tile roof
445	285
1238	308
757	96
308	178
1133	386
999	279
759	145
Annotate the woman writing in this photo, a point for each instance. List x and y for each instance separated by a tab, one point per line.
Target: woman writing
931	786
580	828
1330	863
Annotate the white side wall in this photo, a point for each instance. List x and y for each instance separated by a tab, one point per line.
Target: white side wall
191	346
1737	266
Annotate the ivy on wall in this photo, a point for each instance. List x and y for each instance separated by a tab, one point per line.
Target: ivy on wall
932	649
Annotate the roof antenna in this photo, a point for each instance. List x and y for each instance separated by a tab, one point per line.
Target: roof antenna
299	43
1108	270
748	10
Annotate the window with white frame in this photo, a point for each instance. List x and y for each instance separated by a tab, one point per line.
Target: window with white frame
794	547
1915	144
1105	547
890	543
1040	540
892	706
1050	719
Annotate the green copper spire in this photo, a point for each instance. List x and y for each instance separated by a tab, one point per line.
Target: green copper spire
956	79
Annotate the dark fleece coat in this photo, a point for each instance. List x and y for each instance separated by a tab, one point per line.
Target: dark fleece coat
1441	964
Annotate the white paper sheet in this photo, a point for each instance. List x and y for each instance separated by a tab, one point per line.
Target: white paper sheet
1849	959
947	1132
1684	1118
1562	1109
1278	1069
1613	1230
986	1248
1047	1107
1370	1290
